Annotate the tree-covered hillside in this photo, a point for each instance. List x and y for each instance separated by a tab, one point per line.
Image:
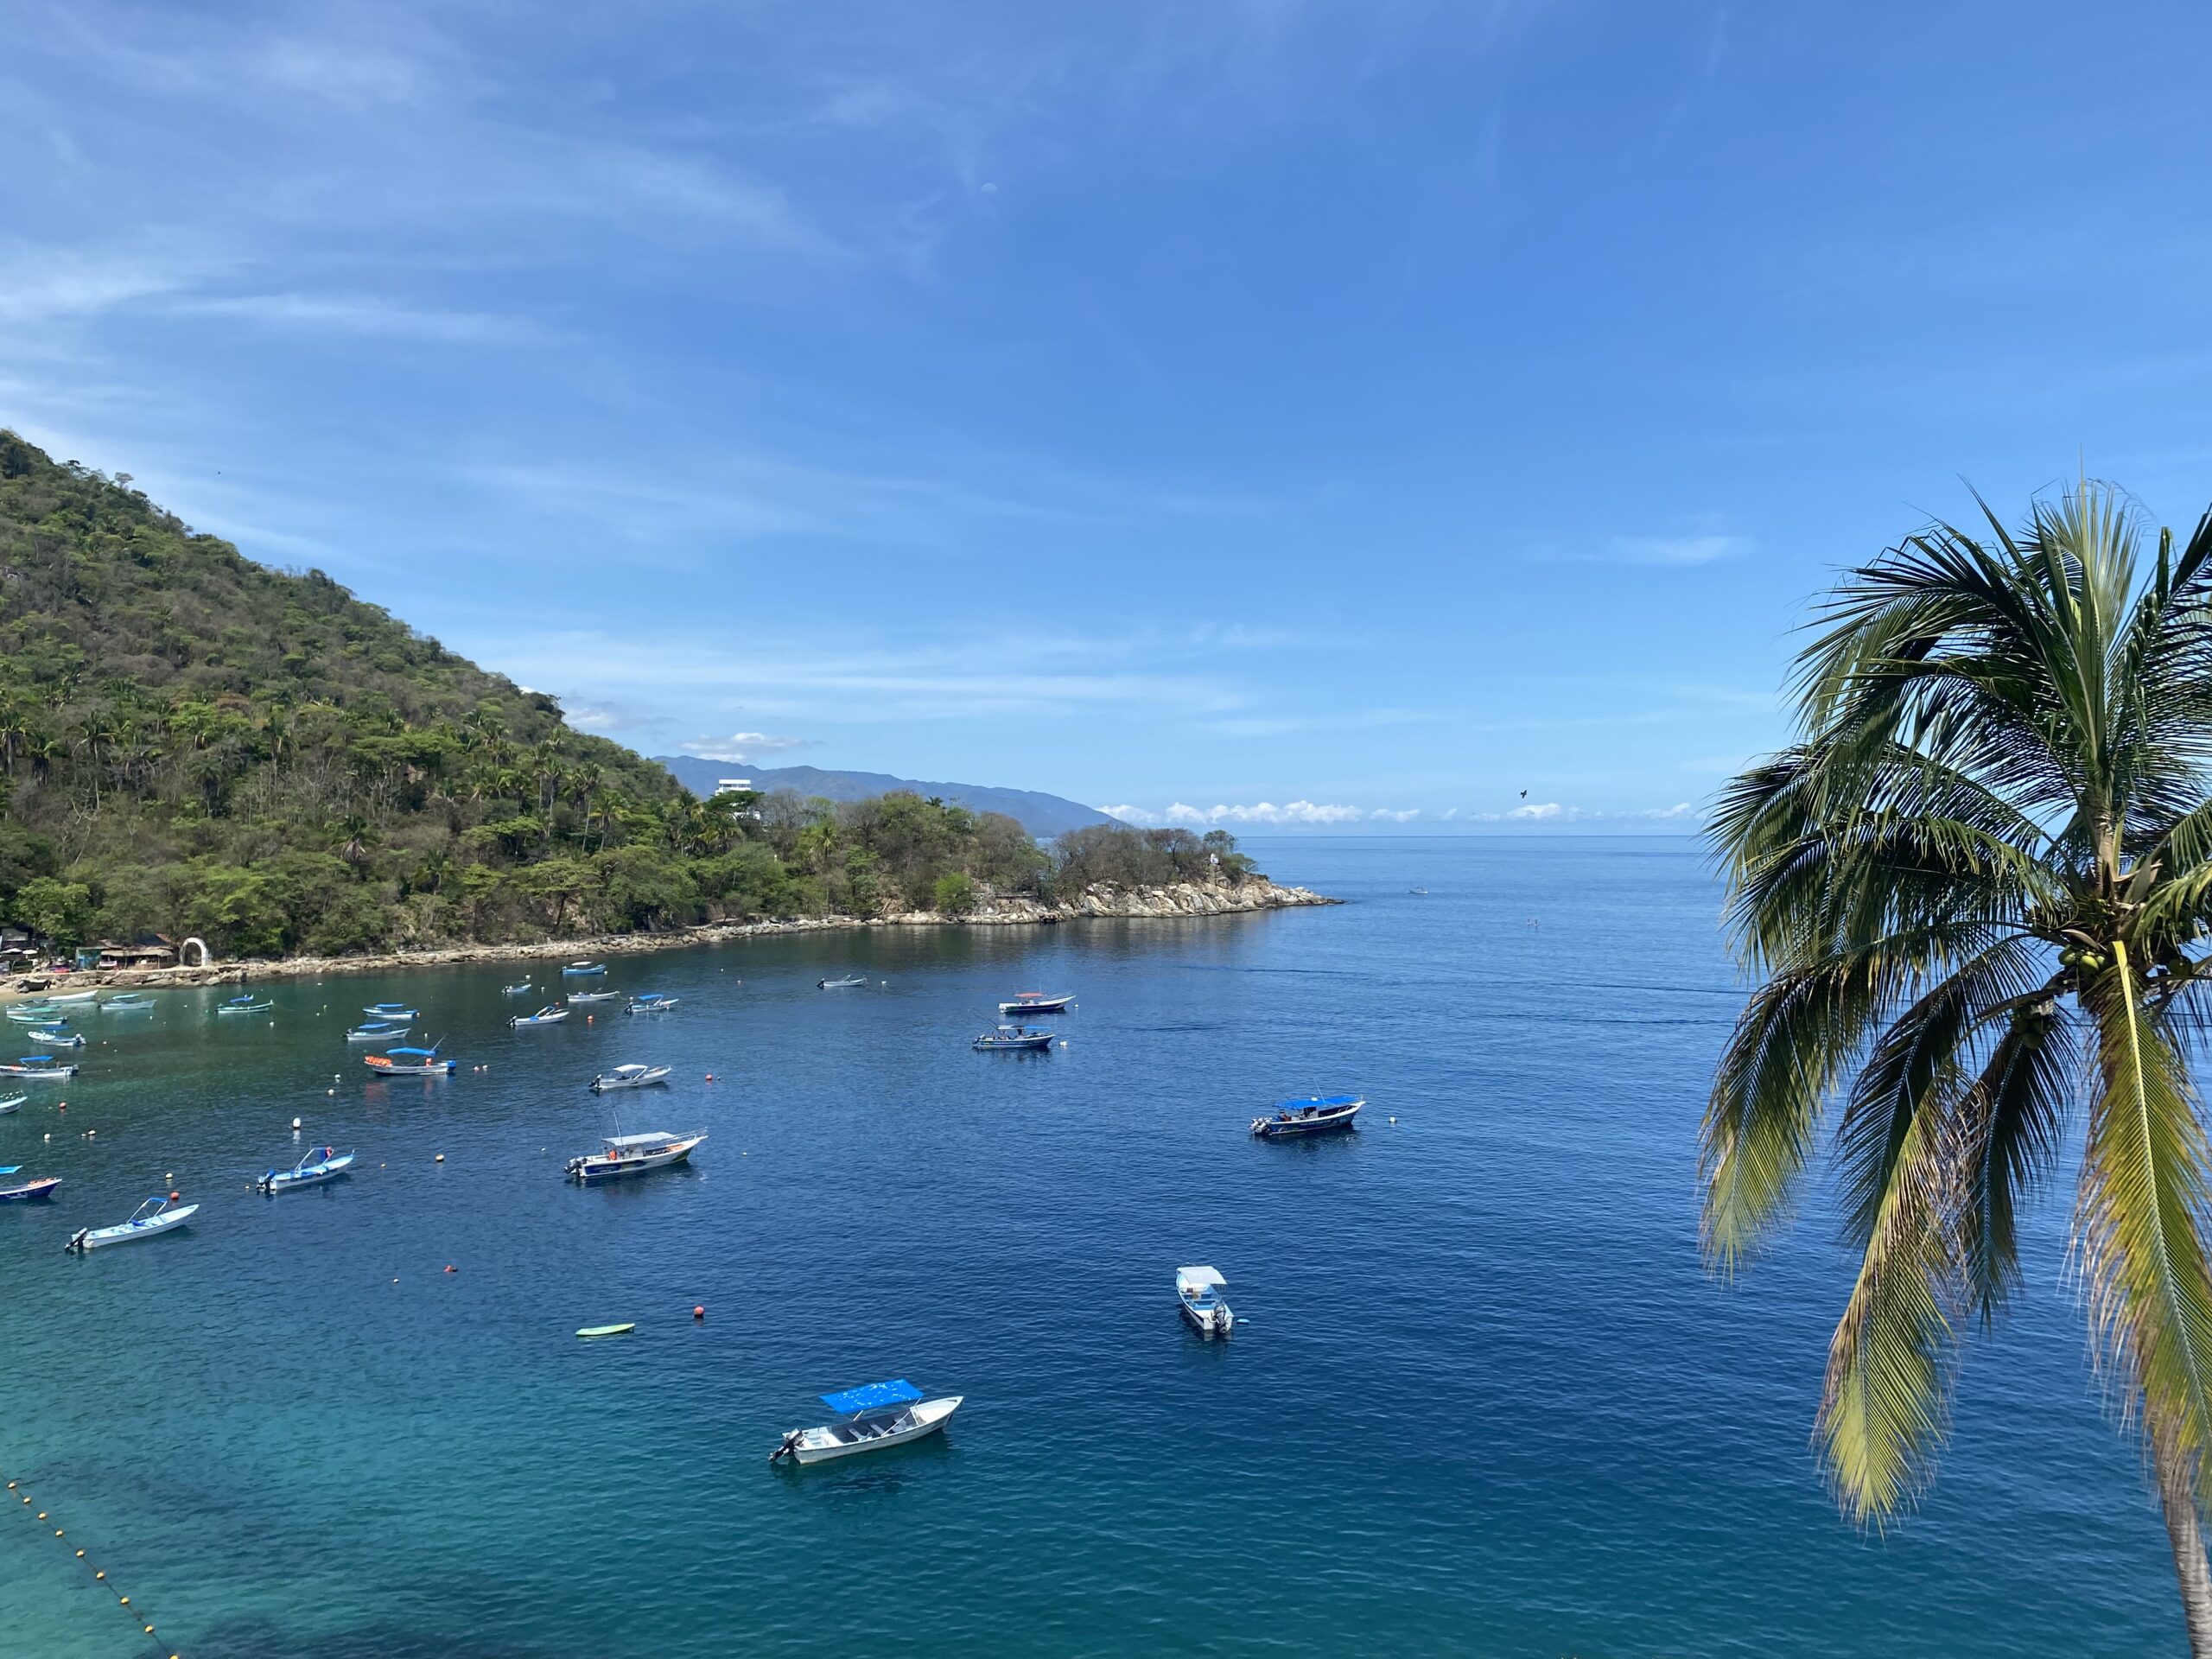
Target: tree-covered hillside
193	743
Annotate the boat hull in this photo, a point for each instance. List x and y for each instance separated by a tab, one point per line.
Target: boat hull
49	1073
928	1418
30	1191
284	1180
98	1238
1280	1128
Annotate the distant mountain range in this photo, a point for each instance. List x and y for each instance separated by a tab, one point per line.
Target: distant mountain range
1043	816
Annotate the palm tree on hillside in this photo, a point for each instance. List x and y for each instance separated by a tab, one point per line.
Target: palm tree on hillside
1970	893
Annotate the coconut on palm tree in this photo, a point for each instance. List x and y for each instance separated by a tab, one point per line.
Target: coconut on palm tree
1977	897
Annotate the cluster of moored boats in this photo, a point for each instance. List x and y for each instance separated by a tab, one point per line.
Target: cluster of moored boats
869	1418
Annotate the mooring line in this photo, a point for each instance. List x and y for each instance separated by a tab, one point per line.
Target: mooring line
99	1575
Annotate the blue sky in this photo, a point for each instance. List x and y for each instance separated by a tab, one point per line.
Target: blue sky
1258	411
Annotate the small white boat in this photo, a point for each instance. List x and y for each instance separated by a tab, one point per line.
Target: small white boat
633	1154
130	1002
549	1015
1199	1291
844	984
243	1005
629	1077
878	1416
1037	1002
584	968
522	990
393	1011
652	1002
1014	1039
42	1066
595	996
157	1214
49	1037
13	1103
323	1164
383	1033
58	998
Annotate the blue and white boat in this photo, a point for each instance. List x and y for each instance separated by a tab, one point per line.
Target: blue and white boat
377	1033
409	1063
652	1002
62	999
1014	1039
245	1003
158	1215
875	1417
633	1154
54	1037
1320	1114
1199	1292
392	1011
28	1192
551	1015
323	1164
13	1103
44	1067
35	1013
584	968
629	1077
129	1002
595	996
844	984
1037	1002
522	990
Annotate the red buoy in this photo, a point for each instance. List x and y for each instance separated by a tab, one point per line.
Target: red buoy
451	1268
700	1312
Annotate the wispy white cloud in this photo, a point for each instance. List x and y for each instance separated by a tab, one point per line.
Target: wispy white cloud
1262	812
1677	549
366	315
1404	815
743	746
1539	811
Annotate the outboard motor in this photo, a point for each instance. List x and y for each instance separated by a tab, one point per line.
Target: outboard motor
790	1445
77	1241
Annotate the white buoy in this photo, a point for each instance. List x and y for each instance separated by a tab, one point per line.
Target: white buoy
296	1122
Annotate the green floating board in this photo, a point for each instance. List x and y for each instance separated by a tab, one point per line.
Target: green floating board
605	1330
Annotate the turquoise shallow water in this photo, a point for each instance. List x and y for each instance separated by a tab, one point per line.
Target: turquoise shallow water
1483	1399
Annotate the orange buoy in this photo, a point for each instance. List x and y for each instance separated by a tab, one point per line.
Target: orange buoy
700	1312
451	1268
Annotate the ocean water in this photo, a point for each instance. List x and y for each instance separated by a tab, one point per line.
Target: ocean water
1482	1398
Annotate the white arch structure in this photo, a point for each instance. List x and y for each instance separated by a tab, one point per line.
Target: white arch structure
206	956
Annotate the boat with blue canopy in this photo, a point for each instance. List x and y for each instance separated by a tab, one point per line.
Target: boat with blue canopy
44	1067
392	1011
875	1417
246	1003
323	1164
377	1033
157	1214
1015	1039
582	968
409	1063
1320	1114
551	1015
652	1002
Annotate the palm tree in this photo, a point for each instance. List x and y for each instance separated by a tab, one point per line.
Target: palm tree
1968	892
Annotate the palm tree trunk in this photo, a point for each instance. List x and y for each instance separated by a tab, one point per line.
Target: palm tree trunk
2177	1497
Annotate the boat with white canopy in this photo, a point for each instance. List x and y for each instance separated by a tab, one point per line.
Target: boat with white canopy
323	1164
157	1214
629	1077
1199	1291
1320	1114
873	1418
633	1154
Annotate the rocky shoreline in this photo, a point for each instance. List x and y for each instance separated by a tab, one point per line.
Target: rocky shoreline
1106	901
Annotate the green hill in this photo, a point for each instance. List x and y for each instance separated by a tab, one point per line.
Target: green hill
192	743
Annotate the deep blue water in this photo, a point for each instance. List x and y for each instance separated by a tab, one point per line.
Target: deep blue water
1482	1398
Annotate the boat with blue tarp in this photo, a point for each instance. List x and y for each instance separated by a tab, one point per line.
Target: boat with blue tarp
43	1067
1320	1114
874	1417
409	1063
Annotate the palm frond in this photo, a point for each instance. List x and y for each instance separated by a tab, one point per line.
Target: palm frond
2006	1132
